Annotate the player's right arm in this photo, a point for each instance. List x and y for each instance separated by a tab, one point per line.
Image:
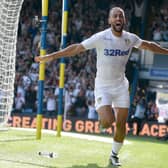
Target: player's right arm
69	51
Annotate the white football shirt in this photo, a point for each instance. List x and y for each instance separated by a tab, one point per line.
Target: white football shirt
112	55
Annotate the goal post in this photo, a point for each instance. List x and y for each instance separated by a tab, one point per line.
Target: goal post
64	31
44	20
9	19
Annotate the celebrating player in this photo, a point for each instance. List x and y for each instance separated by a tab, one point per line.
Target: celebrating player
113	47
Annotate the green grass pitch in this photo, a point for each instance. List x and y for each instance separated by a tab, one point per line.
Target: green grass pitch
19	149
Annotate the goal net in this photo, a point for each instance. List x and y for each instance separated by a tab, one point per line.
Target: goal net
9	18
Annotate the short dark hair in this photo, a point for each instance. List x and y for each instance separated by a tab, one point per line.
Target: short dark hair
116	8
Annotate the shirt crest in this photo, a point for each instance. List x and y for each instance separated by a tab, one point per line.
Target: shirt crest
127	41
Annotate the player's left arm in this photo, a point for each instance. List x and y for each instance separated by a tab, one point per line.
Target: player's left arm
154	47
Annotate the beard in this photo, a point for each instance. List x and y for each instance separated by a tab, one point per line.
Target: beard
118	29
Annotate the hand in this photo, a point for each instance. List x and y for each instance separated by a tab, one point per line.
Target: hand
37	59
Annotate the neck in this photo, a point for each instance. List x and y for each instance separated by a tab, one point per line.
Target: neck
118	34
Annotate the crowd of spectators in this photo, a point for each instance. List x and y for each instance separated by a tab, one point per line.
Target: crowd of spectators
159	28
84	19
144	105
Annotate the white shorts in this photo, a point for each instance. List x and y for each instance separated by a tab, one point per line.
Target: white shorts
118	97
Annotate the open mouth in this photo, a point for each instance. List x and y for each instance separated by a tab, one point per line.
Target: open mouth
118	24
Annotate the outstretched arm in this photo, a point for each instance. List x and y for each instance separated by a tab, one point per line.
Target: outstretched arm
69	51
154	47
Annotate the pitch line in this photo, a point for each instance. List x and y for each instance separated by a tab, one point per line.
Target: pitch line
75	135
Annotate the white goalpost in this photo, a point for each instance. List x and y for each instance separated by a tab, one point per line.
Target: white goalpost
9	18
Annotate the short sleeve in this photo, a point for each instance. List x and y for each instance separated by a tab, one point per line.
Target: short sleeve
137	41
91	42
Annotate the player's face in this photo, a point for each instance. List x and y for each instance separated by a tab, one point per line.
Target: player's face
117	20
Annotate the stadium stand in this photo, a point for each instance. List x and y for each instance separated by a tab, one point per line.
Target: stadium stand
80	71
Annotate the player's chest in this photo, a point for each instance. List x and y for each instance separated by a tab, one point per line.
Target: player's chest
113	48
109	42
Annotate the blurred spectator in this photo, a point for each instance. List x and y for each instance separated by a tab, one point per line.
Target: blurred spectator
30	99
69	102
159	23
19	103
92	114
157	34
154	112
139	115
139	9
26	80
80	104
165	33
20	88
51	104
